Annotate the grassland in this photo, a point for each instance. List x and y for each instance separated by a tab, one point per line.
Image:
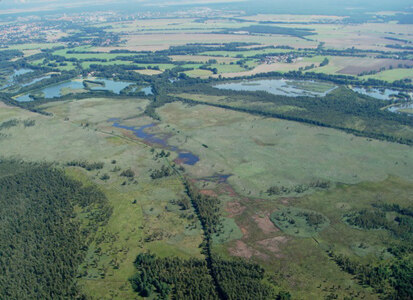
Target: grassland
392	75
135	226
279	152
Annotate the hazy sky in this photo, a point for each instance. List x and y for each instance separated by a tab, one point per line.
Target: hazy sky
281	6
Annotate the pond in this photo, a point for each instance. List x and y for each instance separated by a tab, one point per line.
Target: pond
111	85
53	90
292	88
147	90
56	90
382	94
184	156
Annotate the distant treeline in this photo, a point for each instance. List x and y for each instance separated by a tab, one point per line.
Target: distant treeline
297	32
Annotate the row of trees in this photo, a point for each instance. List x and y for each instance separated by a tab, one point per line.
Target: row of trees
333	111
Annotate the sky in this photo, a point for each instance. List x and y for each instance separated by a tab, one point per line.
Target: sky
273	6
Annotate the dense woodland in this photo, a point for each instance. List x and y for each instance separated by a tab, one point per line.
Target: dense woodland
41	241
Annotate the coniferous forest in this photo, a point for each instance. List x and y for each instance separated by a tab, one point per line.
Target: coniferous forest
41	241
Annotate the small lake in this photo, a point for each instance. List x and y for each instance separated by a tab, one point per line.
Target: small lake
382	94
56	90
292	88
147	90
184	157
111	85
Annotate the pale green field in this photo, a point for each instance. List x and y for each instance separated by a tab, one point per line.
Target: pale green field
198	73
392	75
264	152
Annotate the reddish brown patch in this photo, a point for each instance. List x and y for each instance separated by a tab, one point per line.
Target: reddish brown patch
265	224
227	189
273	244
179	161
241	249
209	193
234	209
244	231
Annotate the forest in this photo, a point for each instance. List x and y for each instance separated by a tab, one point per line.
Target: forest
42	243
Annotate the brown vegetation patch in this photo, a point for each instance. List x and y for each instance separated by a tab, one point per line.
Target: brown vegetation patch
227	189
241	249
234	209
210	193
265	224
273	244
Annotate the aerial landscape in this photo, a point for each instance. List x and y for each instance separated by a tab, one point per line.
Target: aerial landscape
206	149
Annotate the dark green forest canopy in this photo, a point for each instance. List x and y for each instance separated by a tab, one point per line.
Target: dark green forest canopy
41	241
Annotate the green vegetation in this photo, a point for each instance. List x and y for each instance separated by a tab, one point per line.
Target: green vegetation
40	230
